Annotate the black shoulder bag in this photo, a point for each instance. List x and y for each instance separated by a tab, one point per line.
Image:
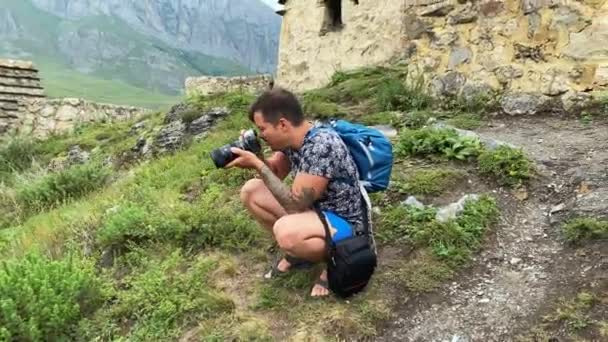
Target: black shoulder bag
350	262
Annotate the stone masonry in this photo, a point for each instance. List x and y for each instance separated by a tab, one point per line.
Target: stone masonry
25	109
207	85
548	48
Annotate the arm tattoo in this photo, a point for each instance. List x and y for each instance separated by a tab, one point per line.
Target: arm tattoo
293	203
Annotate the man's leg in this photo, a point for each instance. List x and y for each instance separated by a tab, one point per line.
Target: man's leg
261	203
303	236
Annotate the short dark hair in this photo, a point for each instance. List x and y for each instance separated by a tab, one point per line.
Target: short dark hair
278	103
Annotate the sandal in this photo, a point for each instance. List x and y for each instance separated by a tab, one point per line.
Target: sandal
295	264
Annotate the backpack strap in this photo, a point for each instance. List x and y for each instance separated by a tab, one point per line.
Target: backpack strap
329	242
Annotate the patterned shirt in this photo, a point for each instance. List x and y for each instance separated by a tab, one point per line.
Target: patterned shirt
324	154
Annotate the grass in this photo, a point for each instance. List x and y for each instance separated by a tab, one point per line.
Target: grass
574	319
581	229
429	182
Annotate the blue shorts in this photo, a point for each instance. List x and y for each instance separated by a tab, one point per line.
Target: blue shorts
338	226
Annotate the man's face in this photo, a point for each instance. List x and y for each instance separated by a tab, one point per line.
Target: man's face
276	136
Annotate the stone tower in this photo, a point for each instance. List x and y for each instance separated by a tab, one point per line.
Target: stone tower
19	82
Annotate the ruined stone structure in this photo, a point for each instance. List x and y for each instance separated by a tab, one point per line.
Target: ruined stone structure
207	85
552	48
19	82
25	109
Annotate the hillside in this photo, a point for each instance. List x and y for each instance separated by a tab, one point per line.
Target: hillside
140	237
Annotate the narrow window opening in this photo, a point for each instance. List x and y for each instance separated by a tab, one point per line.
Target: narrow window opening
333	16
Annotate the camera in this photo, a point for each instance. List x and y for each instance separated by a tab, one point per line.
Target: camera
248	141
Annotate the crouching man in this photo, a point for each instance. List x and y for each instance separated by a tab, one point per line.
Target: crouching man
325	176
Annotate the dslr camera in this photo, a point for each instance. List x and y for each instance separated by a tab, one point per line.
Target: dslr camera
248	141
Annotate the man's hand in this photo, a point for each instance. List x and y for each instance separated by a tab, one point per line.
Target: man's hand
245	160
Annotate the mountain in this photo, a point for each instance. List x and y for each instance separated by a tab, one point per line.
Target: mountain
151	44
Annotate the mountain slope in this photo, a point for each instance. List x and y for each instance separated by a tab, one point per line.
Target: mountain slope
104	47
245	31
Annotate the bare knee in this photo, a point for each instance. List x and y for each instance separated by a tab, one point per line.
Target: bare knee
284	234
249	189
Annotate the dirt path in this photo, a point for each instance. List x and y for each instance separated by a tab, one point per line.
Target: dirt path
525	267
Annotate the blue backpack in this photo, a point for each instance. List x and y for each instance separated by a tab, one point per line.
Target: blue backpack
371	150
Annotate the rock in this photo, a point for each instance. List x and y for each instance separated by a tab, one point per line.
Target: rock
142	148
77	156
515	261
557	208
593	204
591	44
574	101
413	202
58	164
444	39
484	300
463	15
534	21
569	19
475	90
534	53
489	143
449	84
491	8
388	131
451	211
529	6
66	113
207	120
524	103
458	56
415	28
506	73
554	82
437	10
137	127
178	111
170	137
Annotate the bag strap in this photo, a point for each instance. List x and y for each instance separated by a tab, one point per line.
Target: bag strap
329	242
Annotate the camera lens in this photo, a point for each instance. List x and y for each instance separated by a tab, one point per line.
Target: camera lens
249	142
222	156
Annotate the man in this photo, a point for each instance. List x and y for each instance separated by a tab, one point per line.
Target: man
325	176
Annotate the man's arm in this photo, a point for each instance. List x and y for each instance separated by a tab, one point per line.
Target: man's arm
305	190
279	164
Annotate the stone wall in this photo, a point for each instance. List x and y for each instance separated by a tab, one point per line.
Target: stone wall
43	117
552	48
207	85
310	52
19	81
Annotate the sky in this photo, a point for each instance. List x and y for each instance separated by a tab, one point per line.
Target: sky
272	3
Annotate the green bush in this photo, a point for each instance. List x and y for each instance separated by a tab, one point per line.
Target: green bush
57	188
509	165
429	141
16	155
580	229
44	299
163	298
395	94
424	182
134	222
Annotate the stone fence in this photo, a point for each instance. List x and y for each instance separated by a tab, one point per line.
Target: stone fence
207	85
43	116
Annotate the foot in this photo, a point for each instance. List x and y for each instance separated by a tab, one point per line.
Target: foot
320	288
279	268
